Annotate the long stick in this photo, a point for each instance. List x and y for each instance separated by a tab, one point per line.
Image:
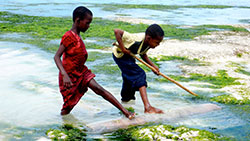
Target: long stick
168	78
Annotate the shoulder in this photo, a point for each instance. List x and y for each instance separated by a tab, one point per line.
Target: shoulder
68	38
133	36
67	34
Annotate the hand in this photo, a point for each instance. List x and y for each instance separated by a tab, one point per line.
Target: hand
67	82
126	51
156	70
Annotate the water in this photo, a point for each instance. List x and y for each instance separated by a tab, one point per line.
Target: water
30	99
181	16
31	102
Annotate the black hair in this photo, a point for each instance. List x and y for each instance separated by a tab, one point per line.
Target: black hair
81	12
154	31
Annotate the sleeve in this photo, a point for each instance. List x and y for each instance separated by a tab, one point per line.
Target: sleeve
126	35
127	39
67	40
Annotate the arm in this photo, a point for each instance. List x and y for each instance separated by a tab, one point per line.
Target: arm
147	60
118	36
57	58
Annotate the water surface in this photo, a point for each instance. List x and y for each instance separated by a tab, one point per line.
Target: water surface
30	100
180	16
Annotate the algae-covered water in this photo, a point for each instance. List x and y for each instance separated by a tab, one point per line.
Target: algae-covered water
30	99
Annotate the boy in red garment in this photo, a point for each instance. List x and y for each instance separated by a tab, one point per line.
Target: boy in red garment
74	76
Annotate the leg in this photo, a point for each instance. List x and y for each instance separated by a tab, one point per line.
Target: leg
147	107
127	92
70	101
93	85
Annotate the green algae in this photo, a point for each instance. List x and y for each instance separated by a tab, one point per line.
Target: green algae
25	48
184	60
108	68
242	110
67	132
222	27
239	68
228	99
115	7
245	92
221	80
44	29
94	55
164	132
242	70
130	109
231	100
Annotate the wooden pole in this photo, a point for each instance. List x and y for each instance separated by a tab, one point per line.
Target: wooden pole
168	78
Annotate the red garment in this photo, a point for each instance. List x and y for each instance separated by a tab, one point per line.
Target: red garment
74	58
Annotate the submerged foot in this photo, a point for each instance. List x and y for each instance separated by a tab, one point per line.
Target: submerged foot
153	110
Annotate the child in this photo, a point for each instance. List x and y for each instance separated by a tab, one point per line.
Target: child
134	78
74	76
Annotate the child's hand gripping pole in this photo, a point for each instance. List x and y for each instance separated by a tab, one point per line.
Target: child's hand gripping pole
168	78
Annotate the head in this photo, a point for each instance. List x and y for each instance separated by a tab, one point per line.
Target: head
154	35
82	17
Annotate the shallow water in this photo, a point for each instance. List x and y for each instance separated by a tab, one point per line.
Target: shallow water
180	16
31	101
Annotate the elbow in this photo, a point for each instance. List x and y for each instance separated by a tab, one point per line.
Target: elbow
116	31
55	58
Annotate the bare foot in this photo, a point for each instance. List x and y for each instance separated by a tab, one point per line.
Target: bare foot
130	115
154	110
